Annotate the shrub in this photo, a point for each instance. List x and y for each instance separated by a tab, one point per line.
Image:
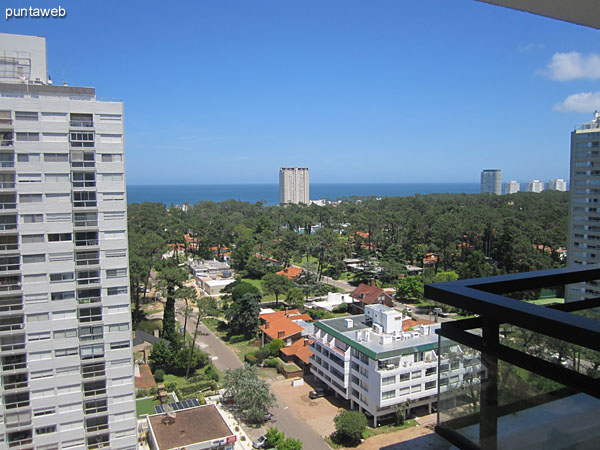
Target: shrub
272	362
274	346
341	308
237	338
159	376
170	386
349	427
251	358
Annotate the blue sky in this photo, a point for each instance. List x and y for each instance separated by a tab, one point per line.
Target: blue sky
358	91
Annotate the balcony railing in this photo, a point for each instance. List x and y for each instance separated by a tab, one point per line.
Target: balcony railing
88	300
519	391
85	223
7	185
82	123
6	143
8	226
11	205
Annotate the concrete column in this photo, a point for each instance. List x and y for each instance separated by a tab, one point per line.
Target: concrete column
429	407
351	404
374	421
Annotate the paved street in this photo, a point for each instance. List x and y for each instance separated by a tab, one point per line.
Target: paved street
224	358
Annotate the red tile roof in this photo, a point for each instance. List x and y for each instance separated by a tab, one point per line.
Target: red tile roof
282	321
290	272
370	294
409	323
299	349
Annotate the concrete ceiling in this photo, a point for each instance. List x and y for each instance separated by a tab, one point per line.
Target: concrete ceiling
581	12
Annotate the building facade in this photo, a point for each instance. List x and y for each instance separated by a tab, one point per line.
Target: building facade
557	185
491	181
65	320
381	359
583	243
536	186
512	187
294	185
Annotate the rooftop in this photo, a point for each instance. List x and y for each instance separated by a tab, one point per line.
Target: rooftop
372	345
191	426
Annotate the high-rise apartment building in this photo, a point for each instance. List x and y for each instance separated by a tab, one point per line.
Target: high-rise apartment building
557	185
583	243
536	186
294	185
491	181
65	323
512	187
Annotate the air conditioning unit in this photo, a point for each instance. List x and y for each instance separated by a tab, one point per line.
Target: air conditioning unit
390	366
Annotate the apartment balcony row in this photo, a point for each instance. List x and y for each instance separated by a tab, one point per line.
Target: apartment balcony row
536	384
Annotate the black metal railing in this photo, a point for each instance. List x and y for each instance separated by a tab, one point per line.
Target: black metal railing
524	393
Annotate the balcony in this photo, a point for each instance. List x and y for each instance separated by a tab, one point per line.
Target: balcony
531	378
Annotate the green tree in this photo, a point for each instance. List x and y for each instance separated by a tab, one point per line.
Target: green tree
349	426
410	287
274	437
242	288
273	347
207	306
172	276
290	444
255	268
295	298
243	315
187	293
250	392
276	284
161	356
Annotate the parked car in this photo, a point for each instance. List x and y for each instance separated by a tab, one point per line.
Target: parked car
318	392
260	442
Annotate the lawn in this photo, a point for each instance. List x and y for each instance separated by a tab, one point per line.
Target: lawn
388	428
547	301
258	284
146	405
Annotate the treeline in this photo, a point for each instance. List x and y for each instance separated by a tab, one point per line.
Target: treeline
471	234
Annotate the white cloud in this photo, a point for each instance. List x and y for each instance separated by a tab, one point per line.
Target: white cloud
532	46
581	102
571	66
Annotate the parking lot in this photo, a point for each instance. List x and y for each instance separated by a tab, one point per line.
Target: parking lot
317	413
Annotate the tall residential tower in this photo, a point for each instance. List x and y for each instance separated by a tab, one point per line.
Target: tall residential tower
294	185
491	181
65	321
584	214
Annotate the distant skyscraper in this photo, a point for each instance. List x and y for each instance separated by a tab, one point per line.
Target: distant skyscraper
65	331
536	186
491	181
557	185
294	185
584	196
512	187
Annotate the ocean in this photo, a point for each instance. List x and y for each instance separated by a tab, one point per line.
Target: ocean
269	193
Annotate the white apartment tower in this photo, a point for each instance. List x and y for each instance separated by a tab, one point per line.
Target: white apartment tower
557	185
65	323
294	185
536	186
491	181
584	215
512	187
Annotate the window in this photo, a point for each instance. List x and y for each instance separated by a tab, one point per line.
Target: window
83	179
35	278
60	315
111	177
118	327
55	137
118	345
110	117
28	137
430	385
43	393
115	253
84	199
28	157
65	295
82	139
56	157
34	258
54	257
30	198
90	314
86	219
92	351
60	277
88	277
65	352
116	290
65	334
31	116
116	273
68	389
39	356
415	388
54	117
47	373
42	336
90	333
29	177
60	237
32	218
80	158
38	317
58	217
404	377
36	298
415	374
44	411
113	196
118	309
388	380
32	238
111	138
121	380
72	370
114	215
110	235
388	394
121	363
58	198
112	157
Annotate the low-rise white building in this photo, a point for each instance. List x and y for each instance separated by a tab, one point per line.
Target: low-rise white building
381	359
